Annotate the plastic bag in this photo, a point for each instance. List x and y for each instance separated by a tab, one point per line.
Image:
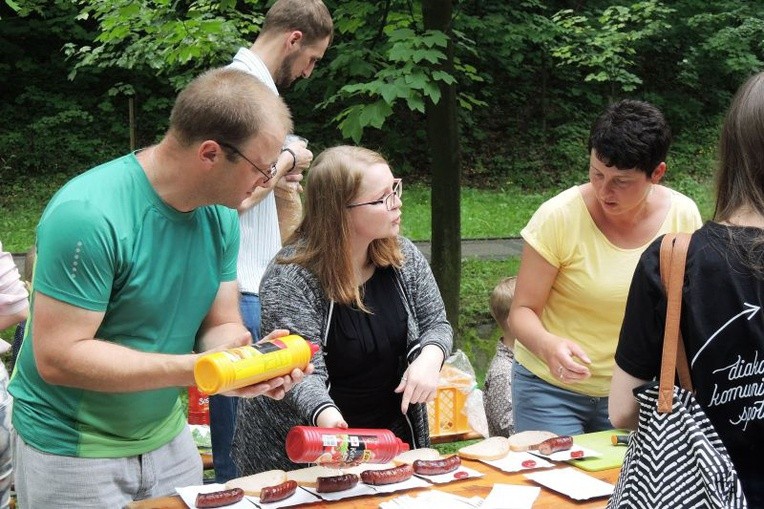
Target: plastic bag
475	412
458	372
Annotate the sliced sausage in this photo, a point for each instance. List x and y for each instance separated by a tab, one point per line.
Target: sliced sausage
436	467
219	498
279	492
551	445
387	476
335	483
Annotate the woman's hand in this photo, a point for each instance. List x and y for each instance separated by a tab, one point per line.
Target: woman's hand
331	418
566	361
419	383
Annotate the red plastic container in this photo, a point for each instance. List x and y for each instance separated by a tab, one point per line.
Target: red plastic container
310	444
198	406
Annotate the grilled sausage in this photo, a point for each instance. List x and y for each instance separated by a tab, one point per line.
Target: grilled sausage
279	492
388	475
555	444
219	498
436	467
336	483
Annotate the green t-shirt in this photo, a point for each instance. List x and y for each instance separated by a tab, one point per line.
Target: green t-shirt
107	242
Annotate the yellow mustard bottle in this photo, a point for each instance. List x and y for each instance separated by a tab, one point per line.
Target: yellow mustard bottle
246	365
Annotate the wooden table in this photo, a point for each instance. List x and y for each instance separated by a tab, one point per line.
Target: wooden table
479	487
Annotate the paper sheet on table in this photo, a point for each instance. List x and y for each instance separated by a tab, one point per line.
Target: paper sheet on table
516	461
573	483
459	474
510	496
431	499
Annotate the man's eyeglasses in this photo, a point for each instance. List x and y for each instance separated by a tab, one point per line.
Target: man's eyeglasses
271	170
388	199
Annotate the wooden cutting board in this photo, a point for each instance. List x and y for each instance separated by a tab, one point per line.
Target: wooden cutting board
611	455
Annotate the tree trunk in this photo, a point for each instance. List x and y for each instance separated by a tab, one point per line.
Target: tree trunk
443	141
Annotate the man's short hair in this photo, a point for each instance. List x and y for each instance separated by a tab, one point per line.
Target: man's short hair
226	104
631	134
311	17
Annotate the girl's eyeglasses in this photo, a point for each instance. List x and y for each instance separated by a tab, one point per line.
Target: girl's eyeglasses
388	199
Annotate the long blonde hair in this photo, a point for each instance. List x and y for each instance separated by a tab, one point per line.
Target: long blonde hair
322	240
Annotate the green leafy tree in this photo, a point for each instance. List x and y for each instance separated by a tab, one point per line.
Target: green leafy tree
605	44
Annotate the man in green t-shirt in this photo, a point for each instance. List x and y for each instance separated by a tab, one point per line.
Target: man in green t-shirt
136	270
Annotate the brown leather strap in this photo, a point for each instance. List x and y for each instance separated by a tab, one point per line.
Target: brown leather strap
674	359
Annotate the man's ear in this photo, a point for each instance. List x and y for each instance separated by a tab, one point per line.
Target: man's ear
294	40
658	173
210	152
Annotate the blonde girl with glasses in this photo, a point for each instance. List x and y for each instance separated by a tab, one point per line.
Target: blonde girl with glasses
349	282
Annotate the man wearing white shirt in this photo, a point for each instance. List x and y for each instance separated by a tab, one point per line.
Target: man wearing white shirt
294	37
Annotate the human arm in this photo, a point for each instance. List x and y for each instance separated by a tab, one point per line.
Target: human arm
11	320
638	354
534	283
419	383
623	409
14	305
68	353
292	299
289	170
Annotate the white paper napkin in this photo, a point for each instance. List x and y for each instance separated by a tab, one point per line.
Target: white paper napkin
510	496
573	483
432	499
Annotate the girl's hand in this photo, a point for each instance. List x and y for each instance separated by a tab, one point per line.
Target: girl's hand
419	383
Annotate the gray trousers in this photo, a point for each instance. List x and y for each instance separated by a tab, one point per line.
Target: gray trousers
50	481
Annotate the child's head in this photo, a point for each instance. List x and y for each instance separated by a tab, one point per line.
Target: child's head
500	301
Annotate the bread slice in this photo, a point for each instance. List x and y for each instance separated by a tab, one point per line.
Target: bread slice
491	448
252	484
309	476
528	440
408	457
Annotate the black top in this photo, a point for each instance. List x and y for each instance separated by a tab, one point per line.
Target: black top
365	355
723	328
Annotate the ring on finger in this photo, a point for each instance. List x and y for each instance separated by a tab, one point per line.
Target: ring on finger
559	371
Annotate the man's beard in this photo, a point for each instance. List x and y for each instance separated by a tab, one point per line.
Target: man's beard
283	77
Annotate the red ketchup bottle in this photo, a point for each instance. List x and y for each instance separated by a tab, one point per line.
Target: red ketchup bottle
310	444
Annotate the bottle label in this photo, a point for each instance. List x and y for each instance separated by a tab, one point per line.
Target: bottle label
348	448
269	346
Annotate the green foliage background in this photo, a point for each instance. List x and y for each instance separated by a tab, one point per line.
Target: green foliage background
531	75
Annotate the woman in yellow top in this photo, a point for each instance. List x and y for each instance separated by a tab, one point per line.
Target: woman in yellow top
581	249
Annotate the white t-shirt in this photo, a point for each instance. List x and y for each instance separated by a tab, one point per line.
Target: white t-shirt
260	237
